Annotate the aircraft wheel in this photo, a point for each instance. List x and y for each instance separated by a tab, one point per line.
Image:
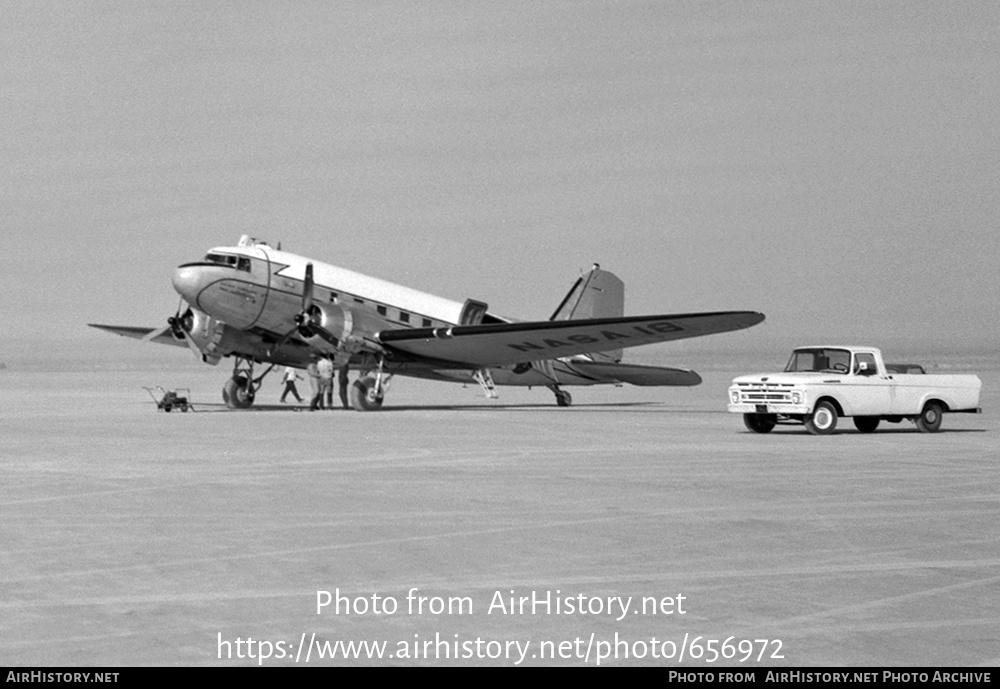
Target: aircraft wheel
236	393
866	424
760	423
564	399
930	418
823	420
363	396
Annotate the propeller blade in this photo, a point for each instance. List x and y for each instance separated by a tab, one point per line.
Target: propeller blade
283	340
307	289
193	346
153	334
326	335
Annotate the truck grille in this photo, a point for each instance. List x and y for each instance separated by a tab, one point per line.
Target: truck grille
763	392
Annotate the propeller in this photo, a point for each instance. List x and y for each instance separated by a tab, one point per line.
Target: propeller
180	327
307	323
169	328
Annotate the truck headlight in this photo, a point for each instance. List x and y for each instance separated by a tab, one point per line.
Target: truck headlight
796	397
734	395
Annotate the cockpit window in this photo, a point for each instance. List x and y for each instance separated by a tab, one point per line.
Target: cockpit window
819	360
238	262
224	259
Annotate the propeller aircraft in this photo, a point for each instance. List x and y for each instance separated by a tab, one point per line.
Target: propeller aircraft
260	305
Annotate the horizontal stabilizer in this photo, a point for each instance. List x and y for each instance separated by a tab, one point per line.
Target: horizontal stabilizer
634	374
500	344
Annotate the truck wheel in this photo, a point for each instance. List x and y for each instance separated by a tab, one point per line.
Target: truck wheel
760	423
930	418
823	420
866	424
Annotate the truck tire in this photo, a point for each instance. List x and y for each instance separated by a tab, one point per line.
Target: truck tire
866	424
823	420
930	418
760	423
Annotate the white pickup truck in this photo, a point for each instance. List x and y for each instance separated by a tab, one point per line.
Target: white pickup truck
820	384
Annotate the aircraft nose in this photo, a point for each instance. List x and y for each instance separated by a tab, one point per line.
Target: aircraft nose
187	282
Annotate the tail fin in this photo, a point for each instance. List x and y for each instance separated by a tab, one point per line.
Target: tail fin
598	294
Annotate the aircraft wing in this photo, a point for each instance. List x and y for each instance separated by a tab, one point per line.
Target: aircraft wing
158	335
634	374
483	346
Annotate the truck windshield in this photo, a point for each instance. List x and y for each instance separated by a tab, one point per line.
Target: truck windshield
816	360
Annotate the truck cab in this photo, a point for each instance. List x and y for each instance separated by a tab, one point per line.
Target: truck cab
823	383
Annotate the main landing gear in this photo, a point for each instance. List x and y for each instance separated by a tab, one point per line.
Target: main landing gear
240	390
368	392
563	398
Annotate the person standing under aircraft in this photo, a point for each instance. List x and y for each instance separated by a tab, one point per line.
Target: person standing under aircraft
316	401
291	375
342	385
325	367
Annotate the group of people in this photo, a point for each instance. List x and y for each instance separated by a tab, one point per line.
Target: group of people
320	371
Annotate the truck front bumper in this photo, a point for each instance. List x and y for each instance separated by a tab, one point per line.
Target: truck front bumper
769	408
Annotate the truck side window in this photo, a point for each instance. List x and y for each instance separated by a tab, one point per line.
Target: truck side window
864	358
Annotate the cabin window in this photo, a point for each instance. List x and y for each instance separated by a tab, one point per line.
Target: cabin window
358	301
333	296
381	310
427	323
403	316
243	263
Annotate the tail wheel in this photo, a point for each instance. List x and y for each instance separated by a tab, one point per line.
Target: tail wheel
930	418
364	395
823	420
564	399
760	423
866	424
237	393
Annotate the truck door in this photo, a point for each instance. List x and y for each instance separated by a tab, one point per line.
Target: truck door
871	393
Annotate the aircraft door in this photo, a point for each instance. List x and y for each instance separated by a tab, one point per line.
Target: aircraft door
472	313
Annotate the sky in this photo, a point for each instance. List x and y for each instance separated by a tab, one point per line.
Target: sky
833	165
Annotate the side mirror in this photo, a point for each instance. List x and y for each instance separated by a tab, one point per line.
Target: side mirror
864	369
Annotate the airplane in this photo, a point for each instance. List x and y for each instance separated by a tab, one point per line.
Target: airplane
261	305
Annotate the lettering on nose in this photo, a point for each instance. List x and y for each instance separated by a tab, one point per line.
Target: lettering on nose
242	291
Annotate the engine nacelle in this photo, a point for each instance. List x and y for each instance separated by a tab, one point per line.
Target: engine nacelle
211	336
